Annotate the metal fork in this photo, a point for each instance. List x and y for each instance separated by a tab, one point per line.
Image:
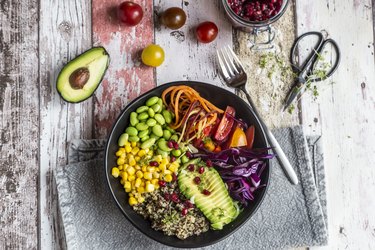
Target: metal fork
235	76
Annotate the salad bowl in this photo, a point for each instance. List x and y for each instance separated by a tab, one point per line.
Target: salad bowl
219	97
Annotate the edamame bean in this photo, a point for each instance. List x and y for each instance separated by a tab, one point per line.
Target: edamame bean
141	126
167	134
167	116
143	133
123	139
151	112
174	138
160	119
154	136
157	130
133	118
141	109
133	138
170	129
148	143
151	122
162	153
142	116
131	131
156	107
160	102
176	152
145	138
184	159
151	101
164	146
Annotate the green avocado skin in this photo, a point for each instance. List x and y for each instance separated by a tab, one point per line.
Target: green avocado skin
218	207
97	61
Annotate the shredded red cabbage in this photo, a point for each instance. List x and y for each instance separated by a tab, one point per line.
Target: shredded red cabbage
240	169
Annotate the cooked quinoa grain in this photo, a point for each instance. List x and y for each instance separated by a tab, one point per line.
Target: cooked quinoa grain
164	207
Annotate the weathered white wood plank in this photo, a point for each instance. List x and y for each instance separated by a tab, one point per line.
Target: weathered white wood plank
186	58
19	124
344	114
65	32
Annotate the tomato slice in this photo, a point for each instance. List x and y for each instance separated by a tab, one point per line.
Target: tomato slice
250	133
225	125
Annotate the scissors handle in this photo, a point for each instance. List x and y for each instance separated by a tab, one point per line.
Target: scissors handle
338	57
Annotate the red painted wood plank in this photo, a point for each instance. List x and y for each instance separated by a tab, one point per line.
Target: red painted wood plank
126	77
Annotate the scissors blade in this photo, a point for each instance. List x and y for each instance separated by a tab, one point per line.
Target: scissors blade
294	92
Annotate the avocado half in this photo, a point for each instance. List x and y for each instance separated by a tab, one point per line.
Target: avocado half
80	77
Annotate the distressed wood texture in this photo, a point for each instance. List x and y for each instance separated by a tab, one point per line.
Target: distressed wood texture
187	59
344	115
65	32
19	124
126	77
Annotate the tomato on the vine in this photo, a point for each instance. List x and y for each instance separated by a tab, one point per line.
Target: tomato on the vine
207	32
153	55
130	13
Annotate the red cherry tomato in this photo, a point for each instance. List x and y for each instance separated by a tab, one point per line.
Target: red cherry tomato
225	125
130	13
206	32
250	133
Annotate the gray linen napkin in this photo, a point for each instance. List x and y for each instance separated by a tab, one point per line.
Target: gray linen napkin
290	216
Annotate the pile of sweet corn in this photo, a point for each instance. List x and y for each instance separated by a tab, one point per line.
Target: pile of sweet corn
137	176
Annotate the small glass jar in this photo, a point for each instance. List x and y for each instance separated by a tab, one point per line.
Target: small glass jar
255	27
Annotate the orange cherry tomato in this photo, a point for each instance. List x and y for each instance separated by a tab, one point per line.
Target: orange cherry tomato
250	133
238	138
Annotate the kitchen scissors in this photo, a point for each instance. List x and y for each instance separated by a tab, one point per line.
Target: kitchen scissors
305	72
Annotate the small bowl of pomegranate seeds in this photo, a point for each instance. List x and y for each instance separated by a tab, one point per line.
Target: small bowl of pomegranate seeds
251	14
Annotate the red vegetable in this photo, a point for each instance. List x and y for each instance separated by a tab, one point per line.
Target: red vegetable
206	32
225	125
130	13
250	133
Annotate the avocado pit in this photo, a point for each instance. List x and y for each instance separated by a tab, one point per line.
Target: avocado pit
79	78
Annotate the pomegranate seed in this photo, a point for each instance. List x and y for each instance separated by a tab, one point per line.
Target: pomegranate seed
174	177
175	145
188	204
201	170
197	180
162	183
209	163
184	211
191	167
174	198
170	144
173	158
256	10
206	192
188	154
167	196
154	163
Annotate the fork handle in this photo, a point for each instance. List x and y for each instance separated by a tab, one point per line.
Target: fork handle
283	160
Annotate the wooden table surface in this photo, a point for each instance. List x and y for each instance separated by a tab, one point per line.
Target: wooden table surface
38	37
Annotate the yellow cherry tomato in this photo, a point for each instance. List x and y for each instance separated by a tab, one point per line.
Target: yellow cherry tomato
153	55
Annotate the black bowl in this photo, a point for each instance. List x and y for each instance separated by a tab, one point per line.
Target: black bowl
221	98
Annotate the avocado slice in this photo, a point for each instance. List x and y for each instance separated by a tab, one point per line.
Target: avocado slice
218	206
81	76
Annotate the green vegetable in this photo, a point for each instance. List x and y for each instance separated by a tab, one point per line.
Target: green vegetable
131	131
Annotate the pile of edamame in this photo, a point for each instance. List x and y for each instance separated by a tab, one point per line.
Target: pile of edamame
149	127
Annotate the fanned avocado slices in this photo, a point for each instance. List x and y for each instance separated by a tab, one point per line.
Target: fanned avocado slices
80	77
217	206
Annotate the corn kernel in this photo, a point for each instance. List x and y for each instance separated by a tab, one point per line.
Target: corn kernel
157	186
137	167
154	181
141	190
115	172
135	150
132	201
150	187
144	168
167	172
137	158
122	182
118	153
131	195
134	144
162	167
147	175
127	143
131	170
121	167
141	199
137	183
120	161
124	176
128	148
132	161
172	168
168	178
164	161
123	155
131	178
151	169
141	153
150	153
127	185
139	174
128	190
158	158
155	175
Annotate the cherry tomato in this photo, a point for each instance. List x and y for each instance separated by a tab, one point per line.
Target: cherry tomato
206	32
225	125
250	132
153	55
174	18
238	138
130	13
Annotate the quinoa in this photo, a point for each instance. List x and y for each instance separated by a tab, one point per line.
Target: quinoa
165	213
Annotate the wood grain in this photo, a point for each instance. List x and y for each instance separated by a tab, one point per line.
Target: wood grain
65	32
19	124
186	58
126	77
344	114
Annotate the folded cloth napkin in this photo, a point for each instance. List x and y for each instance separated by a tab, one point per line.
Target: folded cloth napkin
290	216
